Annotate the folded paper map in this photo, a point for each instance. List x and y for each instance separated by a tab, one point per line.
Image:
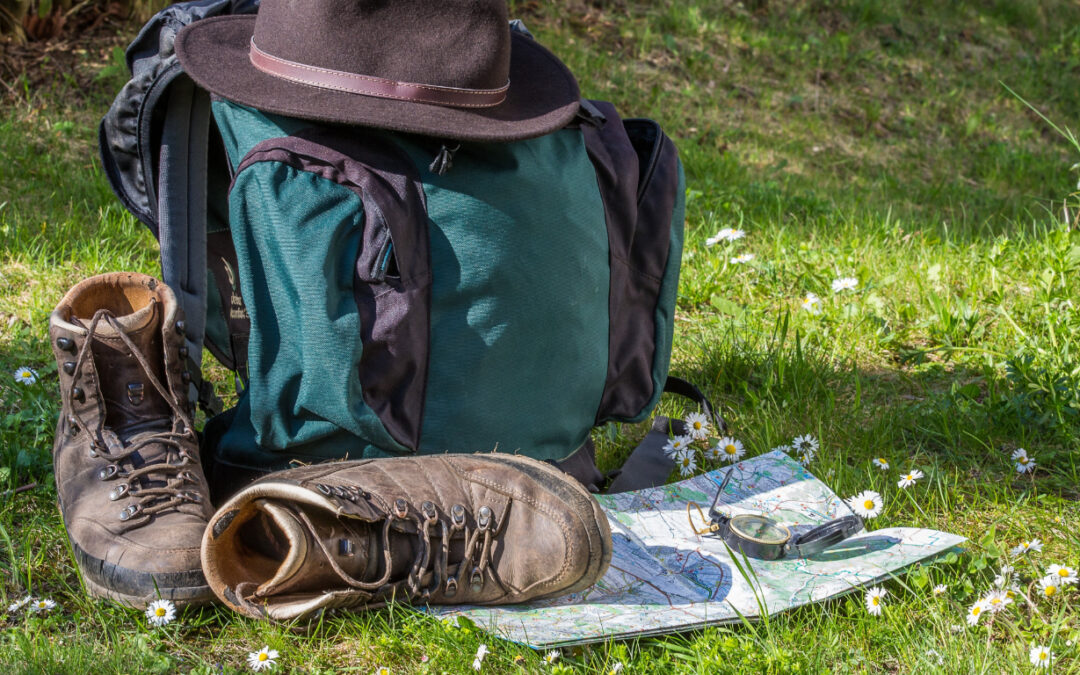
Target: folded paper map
665	578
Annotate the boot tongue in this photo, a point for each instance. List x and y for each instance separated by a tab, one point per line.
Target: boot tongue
130	397
305	566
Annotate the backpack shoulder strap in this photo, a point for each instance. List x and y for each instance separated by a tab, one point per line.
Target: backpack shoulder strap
154	145
182	212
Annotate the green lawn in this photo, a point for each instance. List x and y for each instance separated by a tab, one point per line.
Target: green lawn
861	138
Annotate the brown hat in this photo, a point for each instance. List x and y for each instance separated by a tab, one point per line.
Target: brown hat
446	68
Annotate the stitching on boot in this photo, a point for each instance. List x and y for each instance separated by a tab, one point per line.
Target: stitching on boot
571	548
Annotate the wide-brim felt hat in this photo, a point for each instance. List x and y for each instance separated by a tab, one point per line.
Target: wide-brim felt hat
452	69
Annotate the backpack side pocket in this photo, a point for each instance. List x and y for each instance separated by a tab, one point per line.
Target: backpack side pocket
332	239
640	180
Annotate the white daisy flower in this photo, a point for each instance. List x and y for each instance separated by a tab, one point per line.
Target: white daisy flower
19	604
976	611
1007	569
867	504
726	234
1024	464
1000	581
551	657
25	375
481	652
741	259
161	612
806	443
1041	656
617	668
908	479
1050	586
1026	547
714	453
881	463
803	457
940	589
997	601
698	424
844	284
812	303
676	445
875	599
1066	575
382	670
687	462
263	659
1018	453
730	449
1014	593
42	605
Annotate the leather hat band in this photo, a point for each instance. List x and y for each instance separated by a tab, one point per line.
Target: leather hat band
367	85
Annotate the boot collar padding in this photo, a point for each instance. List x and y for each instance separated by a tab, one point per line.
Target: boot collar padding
298	545
132	298
221	552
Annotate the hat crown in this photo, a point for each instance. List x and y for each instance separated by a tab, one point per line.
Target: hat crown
447	43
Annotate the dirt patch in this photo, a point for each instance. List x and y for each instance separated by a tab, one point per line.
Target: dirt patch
74	58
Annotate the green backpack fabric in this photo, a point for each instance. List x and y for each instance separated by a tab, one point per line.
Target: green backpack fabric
513	302
373	302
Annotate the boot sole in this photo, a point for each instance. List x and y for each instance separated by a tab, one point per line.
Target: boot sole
568	489
138	589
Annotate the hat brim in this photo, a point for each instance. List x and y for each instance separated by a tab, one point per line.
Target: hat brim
543	94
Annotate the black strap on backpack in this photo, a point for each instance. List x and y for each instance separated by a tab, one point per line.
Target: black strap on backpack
154	144
648	465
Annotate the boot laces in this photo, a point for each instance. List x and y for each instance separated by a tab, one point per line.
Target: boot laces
151	499
433	550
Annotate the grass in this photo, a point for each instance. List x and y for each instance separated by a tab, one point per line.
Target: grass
873	139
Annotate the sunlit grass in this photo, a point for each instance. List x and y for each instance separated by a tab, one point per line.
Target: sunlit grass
855	138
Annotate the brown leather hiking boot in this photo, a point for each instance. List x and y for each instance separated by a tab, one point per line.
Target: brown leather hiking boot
126	458
438	529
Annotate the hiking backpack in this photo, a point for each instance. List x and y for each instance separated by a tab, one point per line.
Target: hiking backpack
380	294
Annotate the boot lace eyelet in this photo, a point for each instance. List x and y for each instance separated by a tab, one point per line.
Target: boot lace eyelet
451	587
476	580
129	512
346	548
109	472
119	491
325	489
484	517
428	509
457	514
401	508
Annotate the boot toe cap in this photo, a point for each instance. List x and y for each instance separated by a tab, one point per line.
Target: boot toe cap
142	565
